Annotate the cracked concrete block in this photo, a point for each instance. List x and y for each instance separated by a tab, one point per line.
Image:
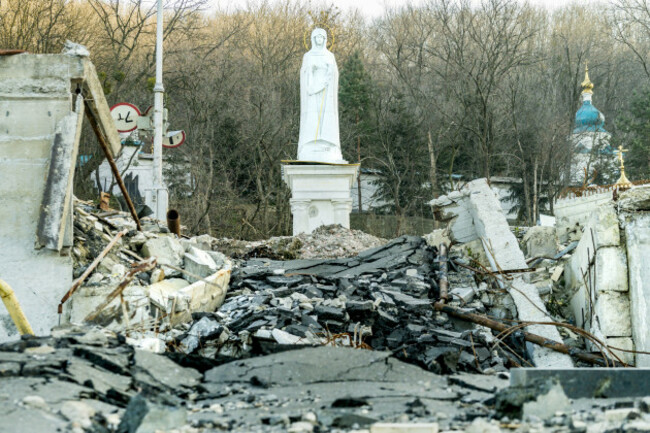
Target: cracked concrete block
624	343
603	223
580	307
531	308
466	294
572	215
635	199
611	270
491	226
608	274
168	250
540	242
160	292
613	312
453	209
546	405
198	262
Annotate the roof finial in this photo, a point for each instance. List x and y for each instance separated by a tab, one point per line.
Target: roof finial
587	85
623	181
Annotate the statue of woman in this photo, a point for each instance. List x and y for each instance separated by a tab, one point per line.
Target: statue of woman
319	116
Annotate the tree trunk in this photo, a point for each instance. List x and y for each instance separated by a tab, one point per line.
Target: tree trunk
359	161
535	195
433	172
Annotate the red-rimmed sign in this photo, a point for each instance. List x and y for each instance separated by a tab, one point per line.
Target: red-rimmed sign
125	116
174	139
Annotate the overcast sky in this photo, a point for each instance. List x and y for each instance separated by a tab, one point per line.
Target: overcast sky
374	8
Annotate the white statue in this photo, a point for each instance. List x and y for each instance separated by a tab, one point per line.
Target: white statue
319	103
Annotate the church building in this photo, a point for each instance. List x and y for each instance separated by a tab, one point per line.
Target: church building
591	149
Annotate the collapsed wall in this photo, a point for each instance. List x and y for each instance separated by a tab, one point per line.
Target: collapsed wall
607	275
474	213
43	99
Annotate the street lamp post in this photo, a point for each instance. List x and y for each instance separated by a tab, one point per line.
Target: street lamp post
158	197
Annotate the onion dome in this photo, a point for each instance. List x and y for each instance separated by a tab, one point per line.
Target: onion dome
588	118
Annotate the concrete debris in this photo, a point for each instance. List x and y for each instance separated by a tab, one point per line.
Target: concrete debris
326	242
540	241
353	302
188	279
91	380
475	213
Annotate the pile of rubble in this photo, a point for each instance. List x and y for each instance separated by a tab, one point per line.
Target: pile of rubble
140	281
89	380
315	333
326	242
380	299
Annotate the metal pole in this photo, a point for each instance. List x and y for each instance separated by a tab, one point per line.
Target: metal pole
159	192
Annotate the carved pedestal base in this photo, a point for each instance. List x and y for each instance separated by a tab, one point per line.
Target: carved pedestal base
320	194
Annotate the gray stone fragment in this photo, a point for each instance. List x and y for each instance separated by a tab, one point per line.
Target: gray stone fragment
198	262
465	294
142	416
78	412
546	405
326	313
164	371
539	241
203	329
167	249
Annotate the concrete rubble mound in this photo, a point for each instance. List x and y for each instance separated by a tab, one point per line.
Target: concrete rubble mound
143	280
380	299
326	242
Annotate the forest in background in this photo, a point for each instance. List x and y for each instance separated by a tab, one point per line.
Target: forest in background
426	92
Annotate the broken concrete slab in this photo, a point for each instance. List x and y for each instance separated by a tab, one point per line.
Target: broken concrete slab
57	197
539	241
478	209
528	301
572	214
166	249
548	404
404	428
319	365
143	416
594	382
198	264
205	295
635	199
453	208
37	91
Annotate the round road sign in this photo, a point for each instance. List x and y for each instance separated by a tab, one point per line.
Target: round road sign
125	116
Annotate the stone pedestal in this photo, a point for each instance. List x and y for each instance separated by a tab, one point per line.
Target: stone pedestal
320	194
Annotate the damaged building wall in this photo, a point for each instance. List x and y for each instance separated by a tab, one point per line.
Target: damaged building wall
39	132
634	214
607	275
572	213
596	274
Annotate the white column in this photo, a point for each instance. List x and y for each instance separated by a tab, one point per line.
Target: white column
342	209
299	210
